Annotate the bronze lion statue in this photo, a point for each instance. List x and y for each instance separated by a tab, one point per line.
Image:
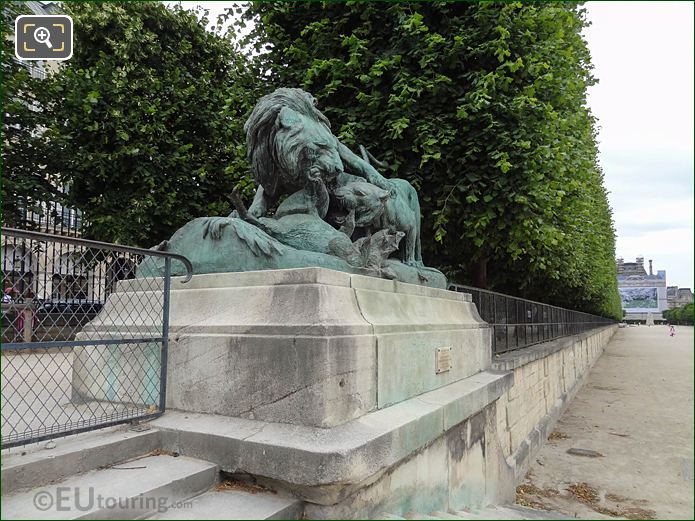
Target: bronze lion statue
291	149
330	207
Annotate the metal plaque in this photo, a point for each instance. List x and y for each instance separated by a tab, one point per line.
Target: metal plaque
442	360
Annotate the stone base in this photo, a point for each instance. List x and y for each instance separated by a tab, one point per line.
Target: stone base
222	245
358	395
438	451
308	346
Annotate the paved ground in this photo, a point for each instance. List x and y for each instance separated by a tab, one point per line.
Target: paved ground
636	409
37	392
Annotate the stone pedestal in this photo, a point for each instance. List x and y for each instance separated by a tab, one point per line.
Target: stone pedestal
309	346
351	392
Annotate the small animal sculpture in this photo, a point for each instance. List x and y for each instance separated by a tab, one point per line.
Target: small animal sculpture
364	203
371	207
306	231
375	249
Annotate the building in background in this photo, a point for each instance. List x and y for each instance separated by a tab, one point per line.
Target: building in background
643	294
48	272
39	68
677	297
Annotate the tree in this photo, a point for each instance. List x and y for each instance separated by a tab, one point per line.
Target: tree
482	107
145	120
682	315
25	182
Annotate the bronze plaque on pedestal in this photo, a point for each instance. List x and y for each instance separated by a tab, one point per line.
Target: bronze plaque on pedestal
442	360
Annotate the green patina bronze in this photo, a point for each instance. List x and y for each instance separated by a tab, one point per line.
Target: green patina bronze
338	211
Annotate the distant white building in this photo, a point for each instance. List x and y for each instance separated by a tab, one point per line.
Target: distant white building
643	294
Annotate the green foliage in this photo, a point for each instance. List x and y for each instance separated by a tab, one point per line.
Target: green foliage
145	121
24	180
682	315
482	107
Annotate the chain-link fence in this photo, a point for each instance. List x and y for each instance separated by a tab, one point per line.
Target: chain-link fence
75	357
518	323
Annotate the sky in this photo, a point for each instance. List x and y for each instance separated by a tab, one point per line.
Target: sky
642	54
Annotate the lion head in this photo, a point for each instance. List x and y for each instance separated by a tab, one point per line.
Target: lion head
366	200
289	141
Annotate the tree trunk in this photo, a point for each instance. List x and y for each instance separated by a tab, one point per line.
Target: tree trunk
480	274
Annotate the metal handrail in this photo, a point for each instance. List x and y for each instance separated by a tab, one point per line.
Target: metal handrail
461	288
77	241
540	322
117	365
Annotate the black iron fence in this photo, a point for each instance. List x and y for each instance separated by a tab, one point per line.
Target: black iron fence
517	323
68	367
47	216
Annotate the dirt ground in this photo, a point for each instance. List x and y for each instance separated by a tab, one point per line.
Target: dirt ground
636	412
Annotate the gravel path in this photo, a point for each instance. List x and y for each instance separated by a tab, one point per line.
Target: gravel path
636	411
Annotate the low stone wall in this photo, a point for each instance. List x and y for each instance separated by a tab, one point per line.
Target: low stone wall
546	378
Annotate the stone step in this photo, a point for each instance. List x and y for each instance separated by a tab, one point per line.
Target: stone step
236	504
130	490
33	466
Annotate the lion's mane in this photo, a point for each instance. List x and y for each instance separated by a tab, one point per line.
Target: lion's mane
261	128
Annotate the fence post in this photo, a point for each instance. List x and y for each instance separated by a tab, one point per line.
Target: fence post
28	323
165	335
